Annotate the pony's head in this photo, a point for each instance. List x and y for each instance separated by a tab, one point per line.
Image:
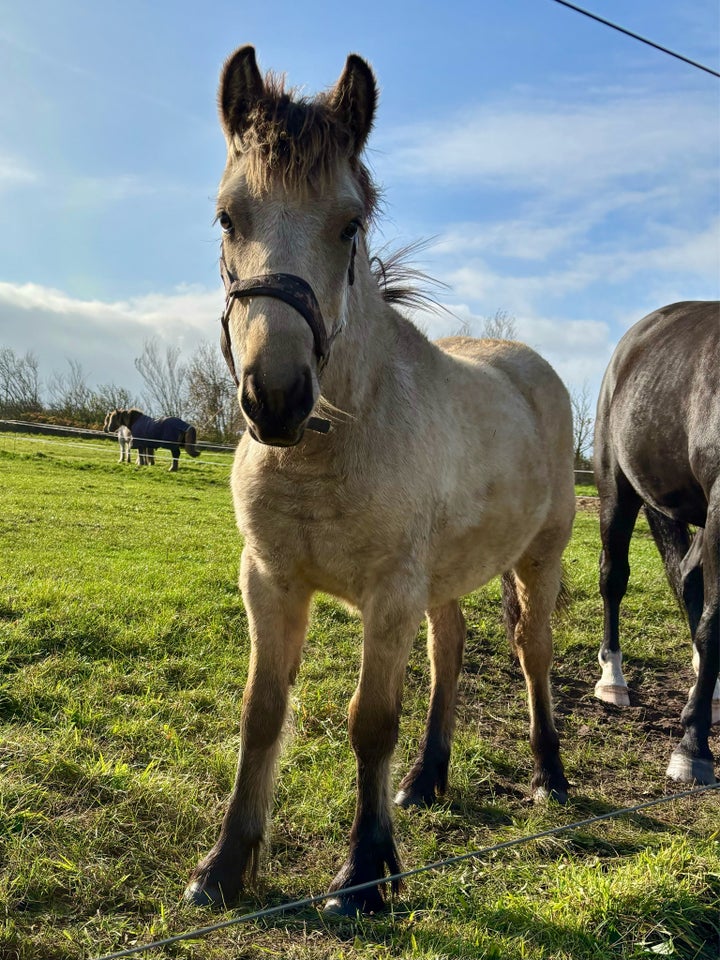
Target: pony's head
112	421
293	205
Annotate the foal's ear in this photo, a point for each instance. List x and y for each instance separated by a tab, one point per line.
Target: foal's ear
354	97
240	85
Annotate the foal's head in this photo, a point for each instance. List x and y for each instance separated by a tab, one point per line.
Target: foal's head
294	199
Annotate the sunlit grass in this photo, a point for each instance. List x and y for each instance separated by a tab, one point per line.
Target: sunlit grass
123	651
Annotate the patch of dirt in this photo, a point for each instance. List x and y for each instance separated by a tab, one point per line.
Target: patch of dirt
588	504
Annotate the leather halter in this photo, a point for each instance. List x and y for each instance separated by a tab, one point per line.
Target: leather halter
298	294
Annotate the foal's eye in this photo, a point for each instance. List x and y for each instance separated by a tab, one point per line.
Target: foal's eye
351	230
225	222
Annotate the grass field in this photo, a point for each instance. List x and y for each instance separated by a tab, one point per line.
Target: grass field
123	650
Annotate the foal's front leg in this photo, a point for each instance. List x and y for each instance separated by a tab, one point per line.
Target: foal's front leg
389	629
277	616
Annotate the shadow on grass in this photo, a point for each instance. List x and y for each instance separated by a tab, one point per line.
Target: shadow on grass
682	926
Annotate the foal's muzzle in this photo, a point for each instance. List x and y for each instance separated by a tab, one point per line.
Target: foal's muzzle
280	417
277	417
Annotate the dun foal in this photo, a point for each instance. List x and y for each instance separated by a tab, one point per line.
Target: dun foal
445	465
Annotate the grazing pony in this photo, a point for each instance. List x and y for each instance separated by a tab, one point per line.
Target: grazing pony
168	433
657	445
444	465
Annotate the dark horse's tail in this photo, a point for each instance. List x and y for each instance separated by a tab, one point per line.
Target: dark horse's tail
511	603
188	442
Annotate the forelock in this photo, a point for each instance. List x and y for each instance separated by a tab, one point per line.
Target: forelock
298	141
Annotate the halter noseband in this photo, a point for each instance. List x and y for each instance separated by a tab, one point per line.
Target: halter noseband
298	294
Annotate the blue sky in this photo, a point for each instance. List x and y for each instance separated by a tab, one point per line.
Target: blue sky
565	173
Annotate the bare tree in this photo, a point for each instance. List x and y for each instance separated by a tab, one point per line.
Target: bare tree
164	377
109	396
583	422
501	326
70	396
212	397
19	383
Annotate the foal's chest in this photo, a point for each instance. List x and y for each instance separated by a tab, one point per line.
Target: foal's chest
332	533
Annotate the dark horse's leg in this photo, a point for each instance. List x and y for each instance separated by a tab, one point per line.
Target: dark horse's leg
390	624
277	616
619	508
693	588
694	597
446	639
692	759
683	559
175	454
672	538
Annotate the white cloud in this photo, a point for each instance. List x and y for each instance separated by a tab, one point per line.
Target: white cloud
14	172
567	148
104	337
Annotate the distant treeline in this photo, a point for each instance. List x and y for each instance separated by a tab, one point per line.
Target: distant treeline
199	390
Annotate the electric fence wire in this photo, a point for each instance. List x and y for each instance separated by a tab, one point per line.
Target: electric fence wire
87	444
636	36
199	932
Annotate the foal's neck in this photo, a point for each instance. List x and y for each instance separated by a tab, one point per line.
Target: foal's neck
364	354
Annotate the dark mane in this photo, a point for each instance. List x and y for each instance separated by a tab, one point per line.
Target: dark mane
404	285
299	140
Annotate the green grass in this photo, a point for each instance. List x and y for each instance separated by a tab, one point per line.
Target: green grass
123	651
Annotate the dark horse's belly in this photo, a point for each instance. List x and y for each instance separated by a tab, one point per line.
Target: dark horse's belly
686	504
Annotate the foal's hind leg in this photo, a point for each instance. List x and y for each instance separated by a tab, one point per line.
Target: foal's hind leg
446	639
618	512
530	595
277	616
692	759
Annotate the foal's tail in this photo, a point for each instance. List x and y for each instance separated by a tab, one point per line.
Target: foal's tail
510	605
511	602
188	442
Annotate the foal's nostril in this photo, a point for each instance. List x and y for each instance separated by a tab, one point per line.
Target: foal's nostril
300	396
249	402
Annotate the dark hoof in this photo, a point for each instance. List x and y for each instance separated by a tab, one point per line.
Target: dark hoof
367	864
201	894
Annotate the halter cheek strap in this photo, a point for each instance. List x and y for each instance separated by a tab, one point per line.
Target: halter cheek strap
298	294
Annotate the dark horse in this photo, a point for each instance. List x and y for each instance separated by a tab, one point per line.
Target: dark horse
657	445
168	433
